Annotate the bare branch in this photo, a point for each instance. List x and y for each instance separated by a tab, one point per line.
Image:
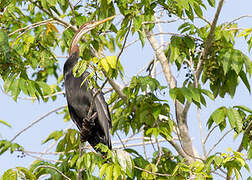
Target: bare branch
51	167
209	41
36	121
72	9
41	158
124	43
237	19
214	146
31	26
209	134
247	131
160	152
60	20
157	174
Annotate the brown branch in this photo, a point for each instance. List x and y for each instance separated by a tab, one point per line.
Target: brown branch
60	20
247	130
31	26
208	135
72	9
218	142
209	41
51	167
149	172
186	141
36	121
124	43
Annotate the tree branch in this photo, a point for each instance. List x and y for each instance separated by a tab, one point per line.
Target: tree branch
51	167
209	41
247	130
186	141
36	121
218	142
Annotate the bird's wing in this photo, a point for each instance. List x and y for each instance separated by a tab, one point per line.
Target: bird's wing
103	116
104	104
75	117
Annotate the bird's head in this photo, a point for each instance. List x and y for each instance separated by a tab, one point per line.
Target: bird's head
83	30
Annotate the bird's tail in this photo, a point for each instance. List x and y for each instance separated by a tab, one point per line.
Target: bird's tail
95	140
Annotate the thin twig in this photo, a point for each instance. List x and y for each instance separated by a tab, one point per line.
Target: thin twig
214	146
31	26
237	19
41	158
247	130
144	148
51	167
124	44
60	20
209	40
72	9
210	133
120	140
154	173
160	152
161	21
36	121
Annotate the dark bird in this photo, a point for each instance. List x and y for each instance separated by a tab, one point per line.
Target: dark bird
94	129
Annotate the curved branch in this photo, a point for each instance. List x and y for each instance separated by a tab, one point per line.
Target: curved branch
218	142
36	121
51	167
209	41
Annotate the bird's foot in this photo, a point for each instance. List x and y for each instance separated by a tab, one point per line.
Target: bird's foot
90	122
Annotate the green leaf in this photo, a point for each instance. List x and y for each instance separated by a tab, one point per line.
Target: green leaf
103	169
189	42
109	172
54	135
4	43
244	79
197	9
74	159
237	61
218	160
124	160
211	3
152	168
5	123
250	151
52	2
219	115
26	173
116	171
232	120
79	68
9	175
238	120
244	108
226	62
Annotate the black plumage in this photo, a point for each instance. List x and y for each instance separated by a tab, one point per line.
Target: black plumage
79	98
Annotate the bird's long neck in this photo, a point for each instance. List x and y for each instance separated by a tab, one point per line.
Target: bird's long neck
72	60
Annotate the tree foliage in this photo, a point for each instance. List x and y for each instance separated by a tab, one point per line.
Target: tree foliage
32	31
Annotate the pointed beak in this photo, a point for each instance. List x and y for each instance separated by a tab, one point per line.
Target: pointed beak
84	29
96	23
